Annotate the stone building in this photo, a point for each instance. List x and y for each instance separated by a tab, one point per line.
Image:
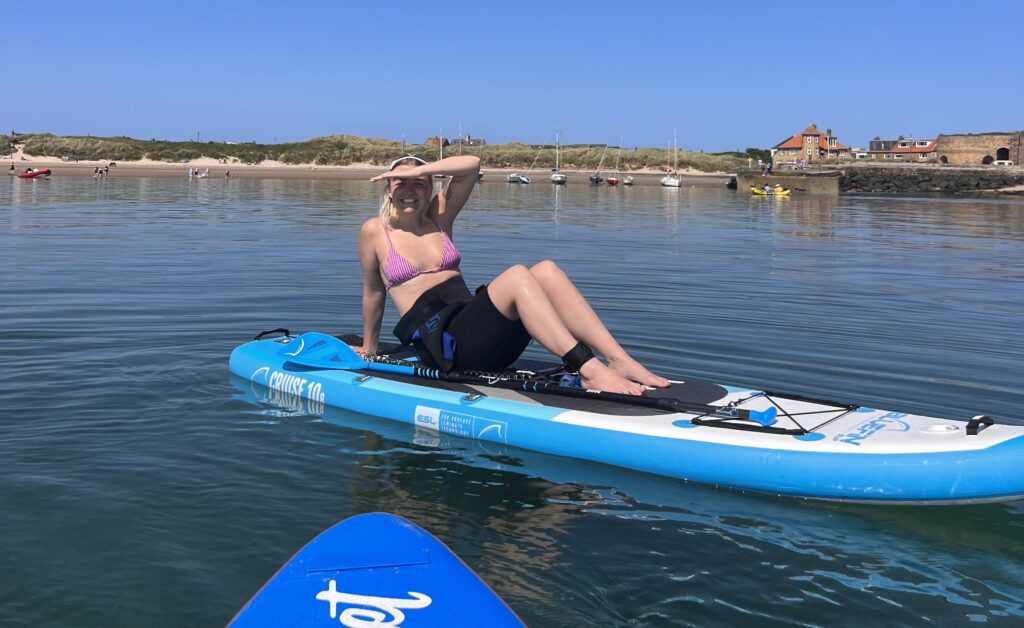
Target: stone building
810	146
980	148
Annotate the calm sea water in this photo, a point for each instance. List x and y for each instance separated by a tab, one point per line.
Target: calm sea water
141	485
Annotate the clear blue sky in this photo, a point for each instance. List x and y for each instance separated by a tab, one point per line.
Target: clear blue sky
727	75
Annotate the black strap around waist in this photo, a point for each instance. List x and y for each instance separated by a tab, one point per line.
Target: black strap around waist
424	325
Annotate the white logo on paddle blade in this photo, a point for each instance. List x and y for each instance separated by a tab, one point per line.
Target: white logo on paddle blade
378	611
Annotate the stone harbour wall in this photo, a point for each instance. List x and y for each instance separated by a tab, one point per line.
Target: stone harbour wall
929	179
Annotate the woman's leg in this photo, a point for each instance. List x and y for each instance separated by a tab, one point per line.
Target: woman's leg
584	324
517	294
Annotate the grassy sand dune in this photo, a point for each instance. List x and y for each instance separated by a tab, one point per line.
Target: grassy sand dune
349	150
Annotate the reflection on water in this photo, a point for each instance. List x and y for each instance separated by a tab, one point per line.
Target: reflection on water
541	543
124	443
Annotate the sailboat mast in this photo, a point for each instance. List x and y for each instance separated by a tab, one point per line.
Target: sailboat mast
558	150
675	152
601	162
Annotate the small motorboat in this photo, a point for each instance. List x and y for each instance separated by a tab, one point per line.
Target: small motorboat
32	173
524	179
513	177
628	180
613	181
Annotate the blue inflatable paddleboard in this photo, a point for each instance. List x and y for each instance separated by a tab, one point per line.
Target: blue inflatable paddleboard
697	431
375	570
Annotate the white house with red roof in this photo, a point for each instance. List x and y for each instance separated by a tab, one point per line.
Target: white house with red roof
808	147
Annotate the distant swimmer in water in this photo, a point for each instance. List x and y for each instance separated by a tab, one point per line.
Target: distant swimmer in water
407	251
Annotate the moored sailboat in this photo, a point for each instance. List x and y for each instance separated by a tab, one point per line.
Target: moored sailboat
671	180
525	178
596	177
556	175
614	179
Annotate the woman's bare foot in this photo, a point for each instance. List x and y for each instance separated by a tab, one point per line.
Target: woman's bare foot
631	369
596	376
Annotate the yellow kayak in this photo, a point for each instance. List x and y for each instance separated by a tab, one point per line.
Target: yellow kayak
756	191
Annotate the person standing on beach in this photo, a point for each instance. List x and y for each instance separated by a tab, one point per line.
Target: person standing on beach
407	251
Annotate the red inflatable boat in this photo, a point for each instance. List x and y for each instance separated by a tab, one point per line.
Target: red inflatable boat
32	173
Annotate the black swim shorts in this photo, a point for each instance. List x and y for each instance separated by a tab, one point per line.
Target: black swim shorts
451	329
484	339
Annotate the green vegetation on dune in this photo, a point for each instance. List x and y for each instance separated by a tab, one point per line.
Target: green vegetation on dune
341	150
8	143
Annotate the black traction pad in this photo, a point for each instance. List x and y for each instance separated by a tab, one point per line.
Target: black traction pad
692	391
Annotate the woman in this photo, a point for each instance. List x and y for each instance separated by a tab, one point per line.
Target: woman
407	252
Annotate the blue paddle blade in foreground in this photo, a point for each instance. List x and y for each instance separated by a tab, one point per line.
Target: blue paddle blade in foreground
375	570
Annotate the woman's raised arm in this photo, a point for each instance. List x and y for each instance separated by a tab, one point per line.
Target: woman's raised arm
463	170
461	185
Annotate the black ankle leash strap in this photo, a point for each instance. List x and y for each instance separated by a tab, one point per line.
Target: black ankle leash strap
577	357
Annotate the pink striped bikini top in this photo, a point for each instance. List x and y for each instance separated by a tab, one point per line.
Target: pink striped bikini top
398	270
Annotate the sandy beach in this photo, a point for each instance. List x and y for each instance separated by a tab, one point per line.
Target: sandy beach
277	170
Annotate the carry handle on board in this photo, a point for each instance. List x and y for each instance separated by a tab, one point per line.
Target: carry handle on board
279	330
979	423
320	351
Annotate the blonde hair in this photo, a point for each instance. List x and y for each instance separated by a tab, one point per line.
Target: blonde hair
387	211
